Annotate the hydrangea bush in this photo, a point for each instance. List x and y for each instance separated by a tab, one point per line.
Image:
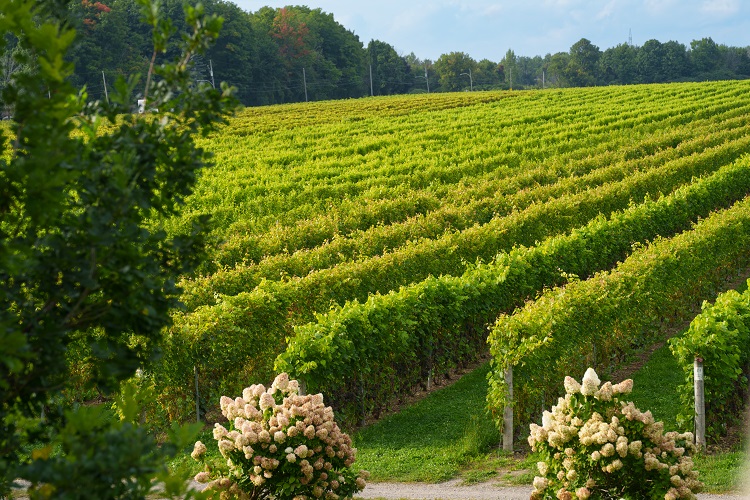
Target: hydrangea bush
281	445
596	446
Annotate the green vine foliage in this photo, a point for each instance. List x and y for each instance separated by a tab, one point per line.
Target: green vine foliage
80	262
596	321
720	335
396	340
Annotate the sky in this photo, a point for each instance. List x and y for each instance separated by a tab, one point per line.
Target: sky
486	29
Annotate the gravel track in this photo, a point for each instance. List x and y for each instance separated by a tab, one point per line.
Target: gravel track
455	490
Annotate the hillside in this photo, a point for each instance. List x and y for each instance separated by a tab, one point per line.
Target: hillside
364	210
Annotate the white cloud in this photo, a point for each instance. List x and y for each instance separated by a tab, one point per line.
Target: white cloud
607	10
721	7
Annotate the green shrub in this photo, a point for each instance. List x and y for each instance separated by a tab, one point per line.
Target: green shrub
720	336
281	445
595	445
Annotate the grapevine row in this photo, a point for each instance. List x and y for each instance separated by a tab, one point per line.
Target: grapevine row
209	336
593	323
448	254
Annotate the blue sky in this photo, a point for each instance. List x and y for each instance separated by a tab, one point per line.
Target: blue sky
487	29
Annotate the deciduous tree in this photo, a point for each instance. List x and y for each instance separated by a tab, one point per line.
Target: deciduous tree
84	274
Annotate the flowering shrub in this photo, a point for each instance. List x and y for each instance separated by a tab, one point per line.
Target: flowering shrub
596	446
281	445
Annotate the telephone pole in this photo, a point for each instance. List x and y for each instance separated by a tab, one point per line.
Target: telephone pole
106	94
304	80
371	91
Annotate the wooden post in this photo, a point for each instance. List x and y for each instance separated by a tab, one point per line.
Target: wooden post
700	404
508	413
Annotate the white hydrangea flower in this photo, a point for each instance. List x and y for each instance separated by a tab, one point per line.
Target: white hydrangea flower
590	383
572	386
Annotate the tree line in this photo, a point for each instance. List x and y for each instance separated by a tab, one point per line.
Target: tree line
294	53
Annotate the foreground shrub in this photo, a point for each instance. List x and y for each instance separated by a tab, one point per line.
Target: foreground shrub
720	335
596	446
281	445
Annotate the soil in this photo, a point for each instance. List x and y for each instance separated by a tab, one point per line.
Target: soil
453	490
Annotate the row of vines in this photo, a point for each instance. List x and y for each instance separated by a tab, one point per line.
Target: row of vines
365	246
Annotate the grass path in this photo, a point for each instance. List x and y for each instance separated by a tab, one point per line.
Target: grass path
447	436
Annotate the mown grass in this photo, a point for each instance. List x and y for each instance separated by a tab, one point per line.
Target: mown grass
436	438
447	435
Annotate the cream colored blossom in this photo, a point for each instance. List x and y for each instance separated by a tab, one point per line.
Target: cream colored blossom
583	493
219	431
572	386
624	387
548	420
266	401
590	383
281	382
198	450
540	483
605	393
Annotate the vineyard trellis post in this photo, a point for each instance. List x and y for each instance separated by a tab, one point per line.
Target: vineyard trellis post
700	404
508	412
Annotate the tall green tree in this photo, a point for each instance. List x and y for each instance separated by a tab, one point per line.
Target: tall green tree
508	65
705	55
649	61
234	56
83	271
557	66
618	65
675	61
421	72
390	71
340	59
583	65
455	71
489	75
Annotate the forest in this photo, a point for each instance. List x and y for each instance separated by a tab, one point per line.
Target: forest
297	54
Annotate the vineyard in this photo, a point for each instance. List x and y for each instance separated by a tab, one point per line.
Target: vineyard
369	246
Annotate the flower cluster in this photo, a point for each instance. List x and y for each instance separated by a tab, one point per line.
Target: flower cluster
283	445
595	445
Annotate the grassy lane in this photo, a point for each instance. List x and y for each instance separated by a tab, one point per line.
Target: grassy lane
433	439
446	435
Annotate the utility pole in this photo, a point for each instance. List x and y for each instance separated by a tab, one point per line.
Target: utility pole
371	92
106	94
471	80
304	80
510	75
211	70
542	78
426	79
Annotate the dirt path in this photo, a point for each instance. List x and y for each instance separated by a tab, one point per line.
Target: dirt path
454	490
